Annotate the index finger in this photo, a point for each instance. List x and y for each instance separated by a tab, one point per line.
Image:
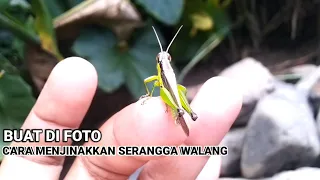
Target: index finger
62	104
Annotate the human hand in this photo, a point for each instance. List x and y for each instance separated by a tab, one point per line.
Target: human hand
65	100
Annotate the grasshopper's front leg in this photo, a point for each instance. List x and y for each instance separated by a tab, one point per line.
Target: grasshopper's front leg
146	81
184	101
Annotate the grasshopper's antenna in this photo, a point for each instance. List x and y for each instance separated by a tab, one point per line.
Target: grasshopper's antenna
157	38
173	38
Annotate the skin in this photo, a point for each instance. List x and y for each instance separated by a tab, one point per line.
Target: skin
217	104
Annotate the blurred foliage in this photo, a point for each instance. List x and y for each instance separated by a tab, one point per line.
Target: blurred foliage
19	29
44	27
118	65
117	38
204	22
166	11
15	98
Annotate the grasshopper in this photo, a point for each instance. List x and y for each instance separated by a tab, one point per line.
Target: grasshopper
173	94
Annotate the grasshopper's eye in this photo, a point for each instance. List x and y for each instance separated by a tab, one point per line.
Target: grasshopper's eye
158	57
169	57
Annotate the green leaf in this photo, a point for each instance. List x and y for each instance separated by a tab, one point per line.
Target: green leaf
73	3
187	46
57	7
19	10
118	67
97	46
45	29
11	47
17	28
166	11
21	3
16	99
143	61
4	4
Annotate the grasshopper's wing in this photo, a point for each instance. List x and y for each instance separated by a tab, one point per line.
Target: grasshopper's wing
183	124
184	101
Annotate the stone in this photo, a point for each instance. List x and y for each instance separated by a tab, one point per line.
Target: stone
314	97
318	120
310	84
231	178
135	175
294	74
255	81
281	134
303	70
230	165
309	173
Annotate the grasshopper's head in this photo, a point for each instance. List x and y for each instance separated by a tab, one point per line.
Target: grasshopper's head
163	56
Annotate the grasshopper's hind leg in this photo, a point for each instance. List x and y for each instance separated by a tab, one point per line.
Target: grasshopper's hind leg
185	104
179	119
170	104
177	112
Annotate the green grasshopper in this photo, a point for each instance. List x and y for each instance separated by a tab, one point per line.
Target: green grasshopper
173	94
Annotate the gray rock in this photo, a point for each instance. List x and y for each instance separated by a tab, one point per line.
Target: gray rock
318	117
230	165
318	120
254	80
307	83
281	134
314	97
303	70
308	173
310	85
136	174
294	74
230	178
